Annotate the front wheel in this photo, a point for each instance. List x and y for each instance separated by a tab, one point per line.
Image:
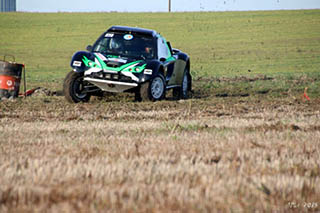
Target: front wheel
74	88
153	90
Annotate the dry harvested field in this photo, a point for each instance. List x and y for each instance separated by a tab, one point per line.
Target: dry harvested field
212	154
246	141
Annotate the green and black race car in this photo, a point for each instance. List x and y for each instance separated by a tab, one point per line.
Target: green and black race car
127	59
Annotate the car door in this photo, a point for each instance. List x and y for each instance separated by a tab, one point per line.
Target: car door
168	61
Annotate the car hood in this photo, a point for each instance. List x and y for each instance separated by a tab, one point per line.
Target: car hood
114	63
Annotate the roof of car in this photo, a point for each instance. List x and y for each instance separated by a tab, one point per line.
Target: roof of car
126	29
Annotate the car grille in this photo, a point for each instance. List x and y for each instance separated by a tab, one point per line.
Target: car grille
112	77
126	79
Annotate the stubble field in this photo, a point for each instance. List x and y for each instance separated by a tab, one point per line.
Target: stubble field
247	140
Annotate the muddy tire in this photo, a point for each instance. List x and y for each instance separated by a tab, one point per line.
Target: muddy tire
183	91
73	87
153	90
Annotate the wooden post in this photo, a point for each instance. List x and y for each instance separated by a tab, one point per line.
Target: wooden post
169	6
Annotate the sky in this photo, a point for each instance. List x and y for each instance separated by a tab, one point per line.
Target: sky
161	5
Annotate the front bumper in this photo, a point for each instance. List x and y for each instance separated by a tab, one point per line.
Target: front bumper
110	85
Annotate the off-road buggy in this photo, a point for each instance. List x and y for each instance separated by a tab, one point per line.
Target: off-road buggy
127	59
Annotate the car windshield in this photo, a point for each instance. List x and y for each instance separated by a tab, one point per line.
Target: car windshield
126	45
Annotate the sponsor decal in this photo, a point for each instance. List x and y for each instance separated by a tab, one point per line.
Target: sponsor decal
109	35
120	60
77	63
128	37
9	83
148	72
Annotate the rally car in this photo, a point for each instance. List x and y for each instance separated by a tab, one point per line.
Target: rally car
129	59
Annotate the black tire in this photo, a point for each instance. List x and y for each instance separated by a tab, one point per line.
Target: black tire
73	86
154	90
183	91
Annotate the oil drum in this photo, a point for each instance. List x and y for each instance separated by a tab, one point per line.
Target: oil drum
10	77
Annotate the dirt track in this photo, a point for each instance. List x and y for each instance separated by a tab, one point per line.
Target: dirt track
45	104
203	154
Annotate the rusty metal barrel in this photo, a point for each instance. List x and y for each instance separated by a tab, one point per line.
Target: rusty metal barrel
10	78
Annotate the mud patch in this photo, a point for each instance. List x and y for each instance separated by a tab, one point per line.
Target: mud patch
39	91
236	79
45	92
280	127
223	95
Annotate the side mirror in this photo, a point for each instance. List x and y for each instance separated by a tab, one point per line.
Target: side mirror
89	48
163	59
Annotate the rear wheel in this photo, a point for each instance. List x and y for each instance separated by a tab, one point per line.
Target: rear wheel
74	88
153	90
182	92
